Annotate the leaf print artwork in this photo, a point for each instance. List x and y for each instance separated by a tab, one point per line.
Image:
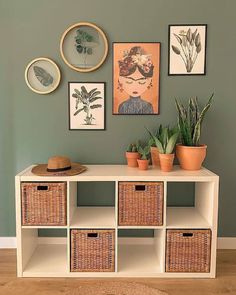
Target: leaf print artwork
189	47
85	103
43	76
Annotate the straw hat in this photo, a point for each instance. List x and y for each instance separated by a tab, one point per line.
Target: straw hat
58	166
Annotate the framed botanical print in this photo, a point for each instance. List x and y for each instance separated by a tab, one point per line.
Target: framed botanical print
42	75
187	49
84	47
86	105
136	78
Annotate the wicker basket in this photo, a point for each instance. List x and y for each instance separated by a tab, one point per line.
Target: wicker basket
43	203
92	250
188	250
141	203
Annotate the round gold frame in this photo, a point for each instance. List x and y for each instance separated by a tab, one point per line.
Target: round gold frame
105	44
57	70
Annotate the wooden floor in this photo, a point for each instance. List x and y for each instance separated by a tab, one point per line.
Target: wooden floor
225	283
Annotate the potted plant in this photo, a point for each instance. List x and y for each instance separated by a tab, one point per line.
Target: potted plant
165	144
144	160
190	152
132	155
153	148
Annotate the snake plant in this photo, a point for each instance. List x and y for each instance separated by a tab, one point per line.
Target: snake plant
165	139
190	119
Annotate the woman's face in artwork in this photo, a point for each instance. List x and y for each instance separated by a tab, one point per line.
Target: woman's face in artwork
135	84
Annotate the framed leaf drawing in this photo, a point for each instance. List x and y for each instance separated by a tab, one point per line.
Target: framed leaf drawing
136	78
84	47
42	75
86	105
187	49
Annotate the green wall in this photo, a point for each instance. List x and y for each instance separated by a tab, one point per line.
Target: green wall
34	127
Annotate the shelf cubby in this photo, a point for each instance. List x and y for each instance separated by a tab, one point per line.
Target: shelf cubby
141	255
42	256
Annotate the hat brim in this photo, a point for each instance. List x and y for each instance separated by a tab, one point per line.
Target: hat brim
41	170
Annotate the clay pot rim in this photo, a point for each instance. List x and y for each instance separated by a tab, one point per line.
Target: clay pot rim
140	160
131	154
201	146
172	155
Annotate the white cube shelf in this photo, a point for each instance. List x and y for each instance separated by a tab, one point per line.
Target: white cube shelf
134	257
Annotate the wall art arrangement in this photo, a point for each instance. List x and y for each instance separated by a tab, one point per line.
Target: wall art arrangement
136	78
84	47
136	71
42	75
86	105
187	49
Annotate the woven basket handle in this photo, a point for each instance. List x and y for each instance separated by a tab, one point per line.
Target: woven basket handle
187	235
92	235
140	187
42	188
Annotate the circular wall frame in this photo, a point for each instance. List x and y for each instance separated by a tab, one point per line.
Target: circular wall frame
84	47
42	75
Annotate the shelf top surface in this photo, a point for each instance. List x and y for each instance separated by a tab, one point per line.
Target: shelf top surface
123	172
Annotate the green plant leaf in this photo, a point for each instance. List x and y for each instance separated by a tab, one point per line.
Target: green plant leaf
197	129
171	143
159	146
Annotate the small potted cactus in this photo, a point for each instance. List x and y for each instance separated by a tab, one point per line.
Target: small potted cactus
145	154
132	155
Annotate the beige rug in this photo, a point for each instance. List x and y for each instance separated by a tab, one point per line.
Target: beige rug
117	288
70	286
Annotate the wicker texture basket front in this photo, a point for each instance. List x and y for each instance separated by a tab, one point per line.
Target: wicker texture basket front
43	203
188	251
141	203
92	250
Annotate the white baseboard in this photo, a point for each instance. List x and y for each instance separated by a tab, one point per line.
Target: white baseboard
7	242
10	242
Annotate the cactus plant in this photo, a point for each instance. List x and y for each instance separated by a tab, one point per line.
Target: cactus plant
190	119
132	148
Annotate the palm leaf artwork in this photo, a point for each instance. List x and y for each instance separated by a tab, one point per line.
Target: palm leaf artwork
190	119
189	47
43	76
85	103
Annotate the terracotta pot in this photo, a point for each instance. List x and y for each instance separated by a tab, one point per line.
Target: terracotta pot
166	162
155	156
191	157
143	164
132	159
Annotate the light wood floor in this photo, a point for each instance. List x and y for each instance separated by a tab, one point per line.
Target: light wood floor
225	283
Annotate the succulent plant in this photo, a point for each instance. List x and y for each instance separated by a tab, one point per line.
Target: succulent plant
132	148
144	151
165	139
190	120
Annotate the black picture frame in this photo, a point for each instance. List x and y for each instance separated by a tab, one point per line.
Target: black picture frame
69	106
169	49
159	78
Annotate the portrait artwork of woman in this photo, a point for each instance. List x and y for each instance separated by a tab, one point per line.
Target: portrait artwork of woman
135	76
